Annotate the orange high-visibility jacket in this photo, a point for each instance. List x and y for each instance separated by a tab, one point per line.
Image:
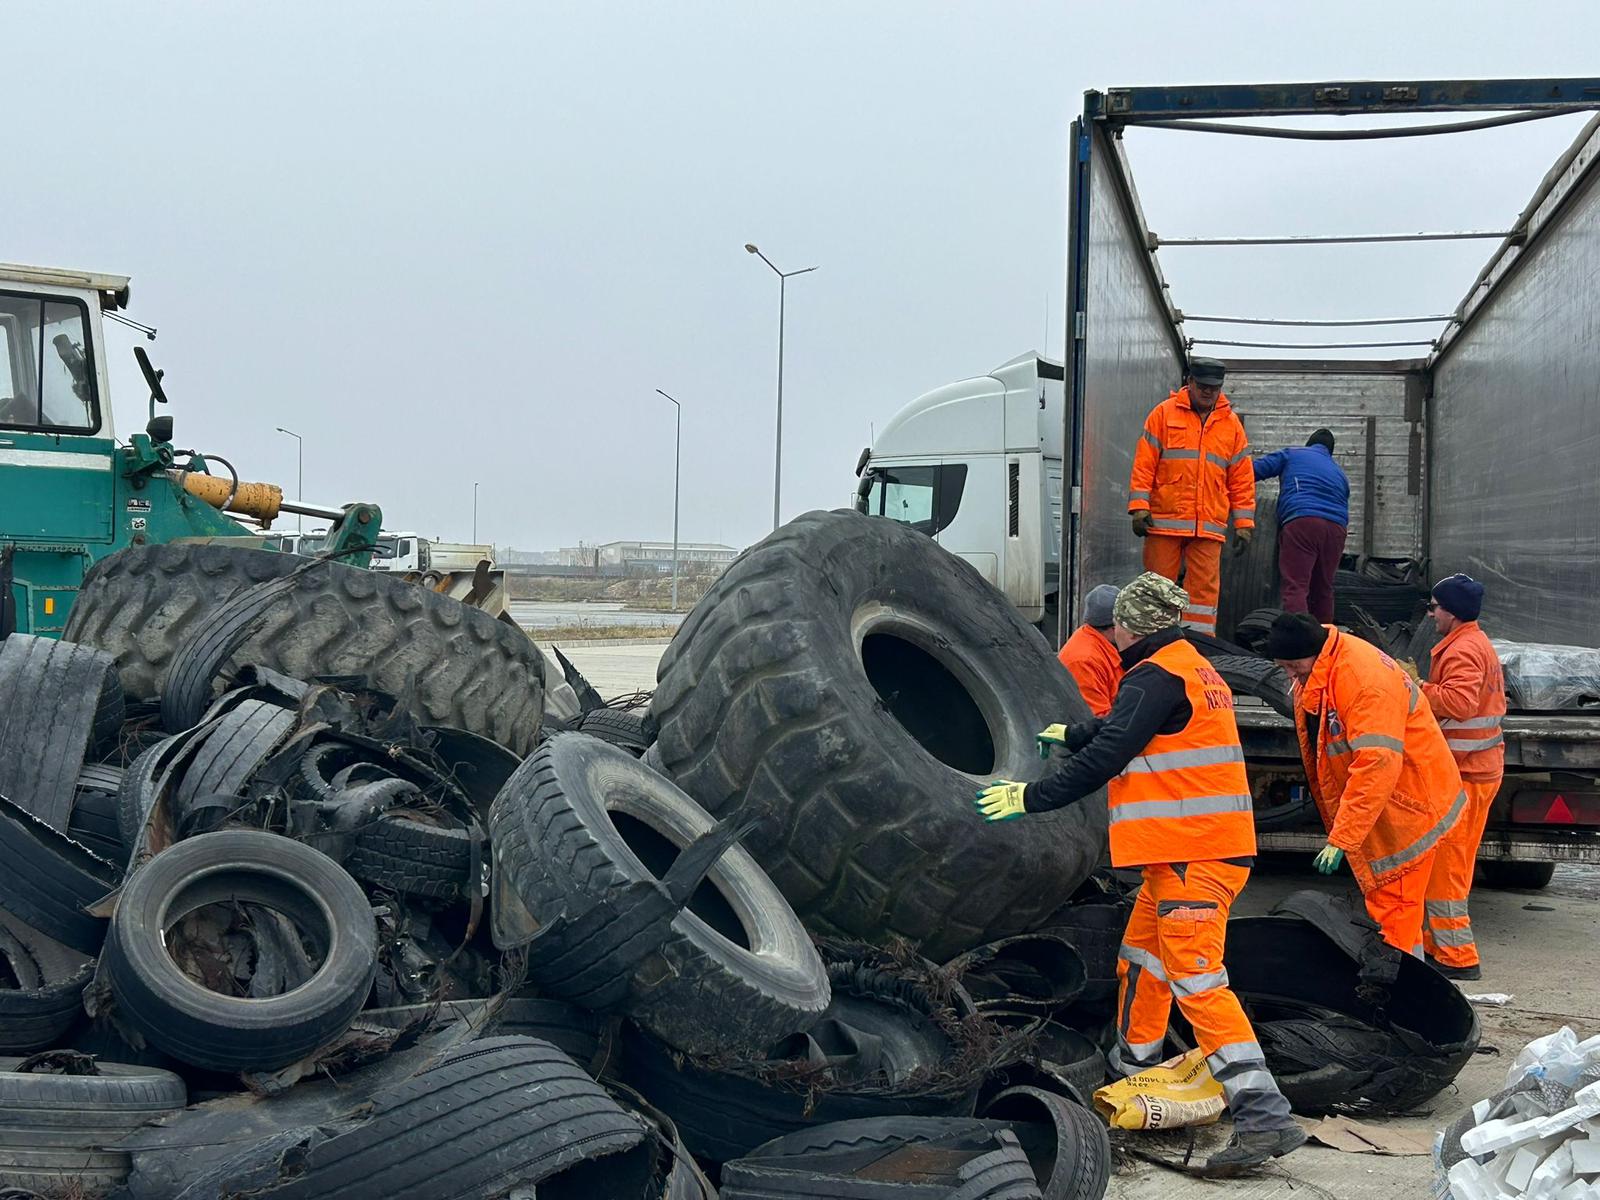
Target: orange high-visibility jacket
1092	659
1186	798
1467	692
1194	477
1381	774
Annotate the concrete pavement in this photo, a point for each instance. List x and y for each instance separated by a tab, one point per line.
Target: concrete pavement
1538	946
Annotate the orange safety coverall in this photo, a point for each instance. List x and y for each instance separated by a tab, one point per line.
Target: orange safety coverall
1383	778
1095	665
1194	476
1182	811
1466	691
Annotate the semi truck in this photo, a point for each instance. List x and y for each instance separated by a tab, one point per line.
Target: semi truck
1478	454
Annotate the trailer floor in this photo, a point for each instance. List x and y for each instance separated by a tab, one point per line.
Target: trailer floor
1538	946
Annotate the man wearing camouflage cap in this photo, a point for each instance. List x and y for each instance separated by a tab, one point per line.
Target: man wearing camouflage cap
1168	755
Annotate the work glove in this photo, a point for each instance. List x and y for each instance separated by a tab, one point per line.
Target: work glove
1241	540
1001	800
1141	522
1072	737
1328	860
1409	666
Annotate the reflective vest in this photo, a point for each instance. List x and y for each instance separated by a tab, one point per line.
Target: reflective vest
1186	798
1194	476
1467	692
1092	660
1383	779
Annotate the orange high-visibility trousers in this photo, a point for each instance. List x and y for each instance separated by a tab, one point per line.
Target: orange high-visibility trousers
1199	562
1173	950
1447	932
1396	906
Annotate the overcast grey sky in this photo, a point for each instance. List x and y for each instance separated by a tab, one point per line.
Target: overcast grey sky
465	242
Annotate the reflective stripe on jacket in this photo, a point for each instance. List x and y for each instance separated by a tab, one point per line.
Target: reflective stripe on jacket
1467	691
1095	665
1384	780
1193	476
1186	797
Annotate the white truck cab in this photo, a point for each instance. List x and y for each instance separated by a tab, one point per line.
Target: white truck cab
52	351
976	465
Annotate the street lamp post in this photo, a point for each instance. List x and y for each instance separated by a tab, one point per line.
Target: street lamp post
777	456
677	459
474	514
299	474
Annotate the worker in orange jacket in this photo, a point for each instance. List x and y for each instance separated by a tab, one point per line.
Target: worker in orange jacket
1192	478
1168	755
1382	776
1467	692
1090	656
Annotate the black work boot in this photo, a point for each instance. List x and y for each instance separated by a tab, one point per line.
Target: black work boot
1250	1149
1472	972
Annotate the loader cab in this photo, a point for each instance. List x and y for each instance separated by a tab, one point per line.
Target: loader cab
52	351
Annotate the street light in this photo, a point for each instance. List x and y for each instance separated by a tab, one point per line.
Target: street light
677	459
474	514
777	454
299	473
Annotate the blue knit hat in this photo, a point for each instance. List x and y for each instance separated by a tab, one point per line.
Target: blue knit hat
1460	595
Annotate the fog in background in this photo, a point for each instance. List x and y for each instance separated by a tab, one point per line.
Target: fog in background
466	242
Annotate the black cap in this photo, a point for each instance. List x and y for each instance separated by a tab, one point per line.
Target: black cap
1294	635
1322	437
1207	371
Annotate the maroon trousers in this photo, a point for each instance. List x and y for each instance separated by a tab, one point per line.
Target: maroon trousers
1308	555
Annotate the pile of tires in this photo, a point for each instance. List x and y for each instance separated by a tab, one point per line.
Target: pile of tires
270	820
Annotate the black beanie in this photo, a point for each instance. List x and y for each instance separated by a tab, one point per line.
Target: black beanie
1460	595
1322	437
1294	635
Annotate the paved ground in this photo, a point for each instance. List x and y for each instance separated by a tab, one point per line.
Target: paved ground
1539	946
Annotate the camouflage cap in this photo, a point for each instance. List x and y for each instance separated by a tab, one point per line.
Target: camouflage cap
1150	604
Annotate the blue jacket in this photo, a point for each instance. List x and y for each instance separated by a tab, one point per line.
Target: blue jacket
1313	484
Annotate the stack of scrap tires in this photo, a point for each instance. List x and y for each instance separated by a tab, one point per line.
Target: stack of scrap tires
302	898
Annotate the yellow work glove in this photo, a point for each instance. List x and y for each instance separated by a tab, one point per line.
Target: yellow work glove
1409	666
1050	735
1001	800
1241	540
1141	522
1327	860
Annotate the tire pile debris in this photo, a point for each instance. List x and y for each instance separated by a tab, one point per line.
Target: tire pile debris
308	895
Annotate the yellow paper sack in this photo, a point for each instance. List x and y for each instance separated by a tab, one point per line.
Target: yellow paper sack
1178	1092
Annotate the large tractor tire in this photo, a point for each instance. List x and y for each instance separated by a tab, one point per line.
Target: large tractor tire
452	664
853	685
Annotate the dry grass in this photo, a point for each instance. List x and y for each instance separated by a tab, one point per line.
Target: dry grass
598	633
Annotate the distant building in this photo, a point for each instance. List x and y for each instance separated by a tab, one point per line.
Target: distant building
659	554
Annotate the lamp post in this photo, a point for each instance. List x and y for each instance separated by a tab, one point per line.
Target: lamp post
777	454
677	459
299	473
475	514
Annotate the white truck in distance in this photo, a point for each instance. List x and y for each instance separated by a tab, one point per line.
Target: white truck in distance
976	465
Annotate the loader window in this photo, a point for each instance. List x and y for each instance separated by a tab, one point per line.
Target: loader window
47	373
925	498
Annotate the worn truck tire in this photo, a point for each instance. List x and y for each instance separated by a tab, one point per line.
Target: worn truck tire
582	820
625	729
1073	1157
1258	677
497	1113
223	1033
224	759
48	879
60	705
454	665
93	820
853	685
48	997
406	855
1508	873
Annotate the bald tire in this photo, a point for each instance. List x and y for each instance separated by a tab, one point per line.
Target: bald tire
764	709
451	664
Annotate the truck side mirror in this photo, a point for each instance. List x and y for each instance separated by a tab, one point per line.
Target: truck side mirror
159	429
866	457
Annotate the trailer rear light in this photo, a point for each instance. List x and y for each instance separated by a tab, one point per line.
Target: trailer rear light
1538	807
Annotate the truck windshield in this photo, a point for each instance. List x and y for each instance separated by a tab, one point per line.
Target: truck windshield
46	372
386	548
925	498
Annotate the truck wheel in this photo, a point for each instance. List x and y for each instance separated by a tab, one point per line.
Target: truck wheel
456	666
853	684
1509	873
